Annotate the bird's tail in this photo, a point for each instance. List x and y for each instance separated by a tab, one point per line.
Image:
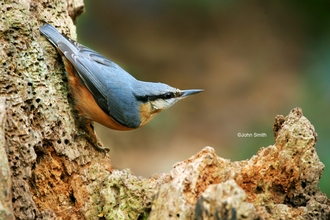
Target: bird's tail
57	39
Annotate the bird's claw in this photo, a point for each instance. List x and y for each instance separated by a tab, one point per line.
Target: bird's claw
94	141
105	150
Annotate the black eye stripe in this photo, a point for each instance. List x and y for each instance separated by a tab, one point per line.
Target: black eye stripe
167	95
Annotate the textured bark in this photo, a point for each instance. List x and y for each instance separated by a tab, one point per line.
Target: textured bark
45	155
6	209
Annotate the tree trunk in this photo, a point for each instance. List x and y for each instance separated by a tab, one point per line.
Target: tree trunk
45	152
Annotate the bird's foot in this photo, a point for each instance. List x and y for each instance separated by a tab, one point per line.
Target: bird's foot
93	139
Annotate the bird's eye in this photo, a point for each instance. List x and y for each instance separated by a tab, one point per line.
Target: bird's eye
168	95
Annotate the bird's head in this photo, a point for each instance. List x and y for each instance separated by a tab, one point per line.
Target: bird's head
155	97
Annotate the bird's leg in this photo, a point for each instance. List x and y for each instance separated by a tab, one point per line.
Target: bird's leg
91	136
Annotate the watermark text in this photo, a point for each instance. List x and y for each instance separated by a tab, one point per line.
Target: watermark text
248	135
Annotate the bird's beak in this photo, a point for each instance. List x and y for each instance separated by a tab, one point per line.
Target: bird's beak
185	93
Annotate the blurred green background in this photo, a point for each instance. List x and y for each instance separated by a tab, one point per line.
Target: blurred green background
255	60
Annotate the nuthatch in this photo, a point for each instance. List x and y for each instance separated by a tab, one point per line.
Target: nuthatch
105	93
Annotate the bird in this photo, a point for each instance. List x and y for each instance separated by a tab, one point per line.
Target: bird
105	93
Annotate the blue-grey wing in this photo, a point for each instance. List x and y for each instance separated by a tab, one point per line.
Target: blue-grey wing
109	84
